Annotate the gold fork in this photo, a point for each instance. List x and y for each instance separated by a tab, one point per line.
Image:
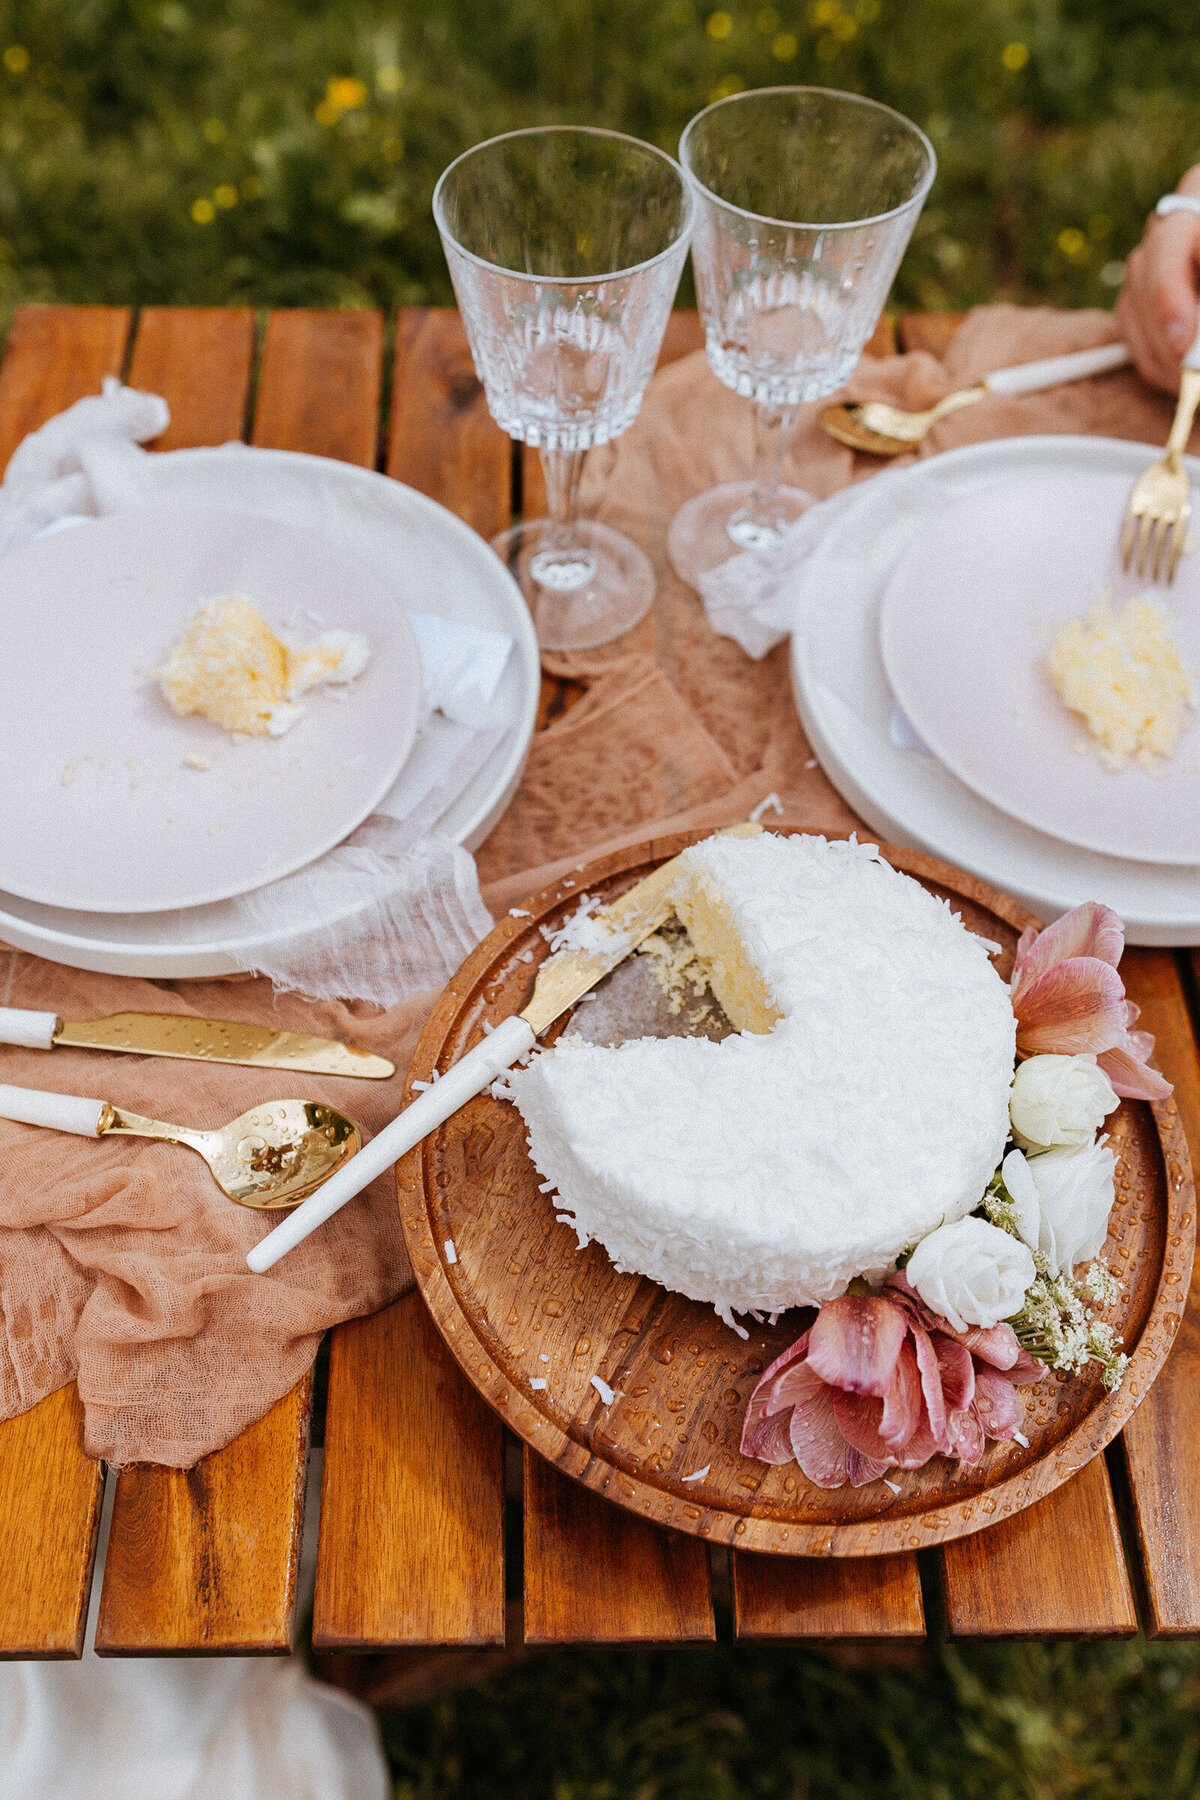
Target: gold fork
1160	503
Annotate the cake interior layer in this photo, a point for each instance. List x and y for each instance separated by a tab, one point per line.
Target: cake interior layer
738	984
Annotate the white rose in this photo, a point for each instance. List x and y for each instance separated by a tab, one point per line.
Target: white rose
1075	1195
1059	1101
972	1273
1022	1191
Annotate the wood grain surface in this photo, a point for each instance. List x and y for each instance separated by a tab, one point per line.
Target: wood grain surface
412	1510
240	1512
441	437
595	1574
1002	1582
518	1291
1161	1443
200	359
836	1597
205	1560
50	1495
55	355
49	1490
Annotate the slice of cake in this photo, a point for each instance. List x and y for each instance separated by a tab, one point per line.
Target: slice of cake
863	1100
229	666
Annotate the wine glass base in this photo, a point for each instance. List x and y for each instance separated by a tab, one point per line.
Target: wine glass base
707	530
597	592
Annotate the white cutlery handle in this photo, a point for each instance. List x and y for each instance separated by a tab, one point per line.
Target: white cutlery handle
32	1030
478	1068
61	1112
1031	378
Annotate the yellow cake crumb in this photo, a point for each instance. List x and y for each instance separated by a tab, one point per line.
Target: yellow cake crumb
1122	673
229	666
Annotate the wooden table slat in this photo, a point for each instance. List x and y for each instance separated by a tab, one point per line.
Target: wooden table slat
832	1597
54	356
50	1490
319	384
1054	1570
174	346
240	1511
1161	1443
441	437
50	1495
205	1560
411	1547
597	1574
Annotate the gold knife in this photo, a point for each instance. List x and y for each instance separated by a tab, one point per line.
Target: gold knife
562	980
201	1040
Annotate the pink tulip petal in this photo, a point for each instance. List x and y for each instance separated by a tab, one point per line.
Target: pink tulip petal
1089	930
1026	1369
817	1442
758	1428
931	1391
921	1446
768	1438
1075	1009
957	1370
1127	1070
856	1341
996	1403
858	1417
903	1402
967	1435
862	1469
997	1345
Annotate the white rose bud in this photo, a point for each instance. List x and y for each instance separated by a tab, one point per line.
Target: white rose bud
972	1273
1059	1102
1075	1194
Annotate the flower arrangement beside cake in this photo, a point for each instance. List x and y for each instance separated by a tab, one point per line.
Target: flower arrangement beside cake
891	1134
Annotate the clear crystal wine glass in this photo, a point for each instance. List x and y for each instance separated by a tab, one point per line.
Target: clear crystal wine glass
565	247
807	199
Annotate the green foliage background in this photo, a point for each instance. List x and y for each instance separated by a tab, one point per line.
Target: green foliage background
159	151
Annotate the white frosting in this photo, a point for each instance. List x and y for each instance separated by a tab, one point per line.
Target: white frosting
767	1171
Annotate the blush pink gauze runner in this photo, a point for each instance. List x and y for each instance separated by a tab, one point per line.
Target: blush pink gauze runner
121	1264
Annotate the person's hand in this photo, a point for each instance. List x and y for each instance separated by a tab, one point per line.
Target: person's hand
1157	311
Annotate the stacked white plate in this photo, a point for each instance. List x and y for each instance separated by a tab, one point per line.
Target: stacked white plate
923	621
129	834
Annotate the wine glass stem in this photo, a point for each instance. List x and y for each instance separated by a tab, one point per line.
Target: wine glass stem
772	430
563	470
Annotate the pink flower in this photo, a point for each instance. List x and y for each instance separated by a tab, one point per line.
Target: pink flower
879	1382
1070	1001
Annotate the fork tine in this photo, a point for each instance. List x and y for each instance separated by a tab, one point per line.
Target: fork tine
1177	543
1162	532
1145	527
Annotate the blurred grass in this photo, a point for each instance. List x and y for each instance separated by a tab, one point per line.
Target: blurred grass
284	151
1006	1722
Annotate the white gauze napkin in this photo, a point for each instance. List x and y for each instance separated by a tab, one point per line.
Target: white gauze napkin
396	907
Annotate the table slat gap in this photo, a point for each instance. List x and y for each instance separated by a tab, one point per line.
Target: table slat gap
597	1574
441	437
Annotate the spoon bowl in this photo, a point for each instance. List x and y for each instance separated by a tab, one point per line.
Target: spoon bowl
885	430
267	1158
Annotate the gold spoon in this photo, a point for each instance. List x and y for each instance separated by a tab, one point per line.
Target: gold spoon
884	430
269	1157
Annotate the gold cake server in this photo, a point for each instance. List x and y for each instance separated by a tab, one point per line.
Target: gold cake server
201	1040
614	932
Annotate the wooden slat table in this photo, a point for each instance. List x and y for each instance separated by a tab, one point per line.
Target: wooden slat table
422	1497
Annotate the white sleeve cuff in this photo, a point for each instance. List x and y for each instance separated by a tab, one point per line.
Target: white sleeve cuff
1172	203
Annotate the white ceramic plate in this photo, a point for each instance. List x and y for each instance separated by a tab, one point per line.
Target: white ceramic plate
845	701
100	809
967	618
429	561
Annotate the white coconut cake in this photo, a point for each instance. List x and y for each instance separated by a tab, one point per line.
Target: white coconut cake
862	1101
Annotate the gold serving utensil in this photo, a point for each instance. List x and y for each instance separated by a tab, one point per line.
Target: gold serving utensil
884	430
198	1040
1154	529
562	980
267	1158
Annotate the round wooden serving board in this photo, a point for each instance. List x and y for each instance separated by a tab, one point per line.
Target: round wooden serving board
519	1302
